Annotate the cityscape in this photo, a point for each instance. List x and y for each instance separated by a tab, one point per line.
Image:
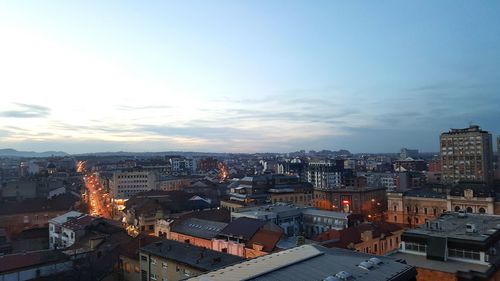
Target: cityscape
249	140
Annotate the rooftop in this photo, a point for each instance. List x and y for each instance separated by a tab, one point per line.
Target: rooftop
26	260
322	213
313	262
63	202
453	225
67	216
199	228
243	227
197	257
424	193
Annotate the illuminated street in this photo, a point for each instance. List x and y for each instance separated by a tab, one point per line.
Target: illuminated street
97	197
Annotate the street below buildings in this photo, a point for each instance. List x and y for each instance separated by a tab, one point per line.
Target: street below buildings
98	200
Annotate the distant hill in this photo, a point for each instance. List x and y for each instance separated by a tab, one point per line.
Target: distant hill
9	152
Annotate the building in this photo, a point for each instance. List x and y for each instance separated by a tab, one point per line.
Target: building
466	154
410	164
130	267
415	207
377	238
313	262
457	246
317	221
325	174
144	209
171	260
126	184
247	237
34	213
365	200
64	230
33	265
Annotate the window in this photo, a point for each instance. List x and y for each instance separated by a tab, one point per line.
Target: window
410	246
425	211
434	211
164	265
395	218
375	248
464	254
395	208
469	210
144	258
482	210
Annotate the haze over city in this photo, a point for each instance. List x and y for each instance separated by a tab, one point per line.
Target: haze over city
245	76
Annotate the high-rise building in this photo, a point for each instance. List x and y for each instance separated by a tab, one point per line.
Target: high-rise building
466	155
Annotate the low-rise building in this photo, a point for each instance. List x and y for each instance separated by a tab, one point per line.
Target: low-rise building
377	238
313	262
457	246
65	229
32	265
172	260
414	207
34	213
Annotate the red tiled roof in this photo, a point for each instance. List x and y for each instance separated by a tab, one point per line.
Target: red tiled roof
267	238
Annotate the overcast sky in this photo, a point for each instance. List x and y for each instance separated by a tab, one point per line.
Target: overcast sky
245	76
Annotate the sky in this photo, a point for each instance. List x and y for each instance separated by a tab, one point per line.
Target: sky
246	76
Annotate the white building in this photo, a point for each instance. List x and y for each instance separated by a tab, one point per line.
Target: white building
65	229
127	184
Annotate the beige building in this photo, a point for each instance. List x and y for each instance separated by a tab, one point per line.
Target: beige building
126	184
415	207
466	155
172	260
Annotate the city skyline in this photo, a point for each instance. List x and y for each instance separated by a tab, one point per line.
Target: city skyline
246	76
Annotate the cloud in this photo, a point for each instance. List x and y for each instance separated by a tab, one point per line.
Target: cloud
27	111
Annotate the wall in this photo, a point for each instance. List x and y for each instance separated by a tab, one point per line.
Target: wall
424	274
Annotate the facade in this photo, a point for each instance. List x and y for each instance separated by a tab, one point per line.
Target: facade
366	200
171	260
457	246
377	238
313	262
410	164
415	207
466	154
126	184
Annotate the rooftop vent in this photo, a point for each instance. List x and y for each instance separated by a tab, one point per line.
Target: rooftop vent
366	265
470	228
343	275
375	261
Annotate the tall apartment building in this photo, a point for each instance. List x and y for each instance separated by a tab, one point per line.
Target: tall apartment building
466	155
325	174
126	184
